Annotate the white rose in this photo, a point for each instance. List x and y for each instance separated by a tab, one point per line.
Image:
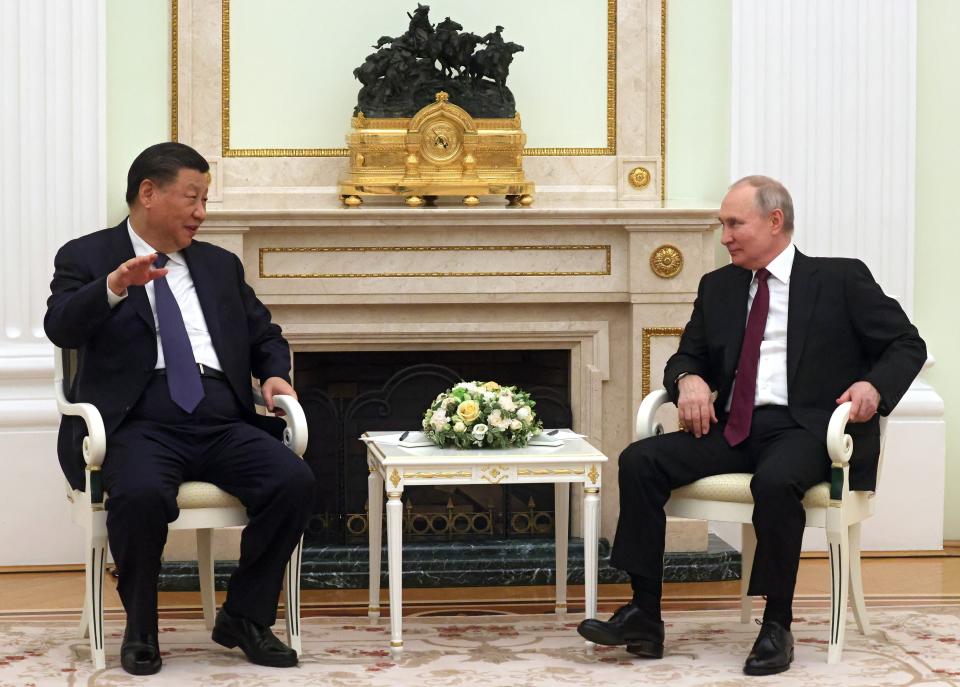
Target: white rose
489	396
506	402
479	431
471	387
497	420
524	413
515	425
438	420
459	428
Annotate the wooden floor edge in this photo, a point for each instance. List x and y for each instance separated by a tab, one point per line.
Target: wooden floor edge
49	568
951	549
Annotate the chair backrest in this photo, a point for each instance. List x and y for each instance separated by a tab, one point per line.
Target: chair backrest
65	363
883	447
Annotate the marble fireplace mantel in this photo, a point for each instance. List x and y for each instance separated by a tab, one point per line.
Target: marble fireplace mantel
573	275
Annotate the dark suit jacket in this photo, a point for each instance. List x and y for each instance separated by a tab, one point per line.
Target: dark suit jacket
841	328
118	347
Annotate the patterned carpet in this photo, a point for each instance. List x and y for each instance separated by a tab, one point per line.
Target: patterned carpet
910	646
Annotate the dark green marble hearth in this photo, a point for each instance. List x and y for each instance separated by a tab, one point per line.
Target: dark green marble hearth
490	563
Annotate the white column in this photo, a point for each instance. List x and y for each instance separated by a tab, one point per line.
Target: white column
52	173
824	99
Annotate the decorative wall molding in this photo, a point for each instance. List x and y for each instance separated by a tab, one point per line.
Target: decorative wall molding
824	99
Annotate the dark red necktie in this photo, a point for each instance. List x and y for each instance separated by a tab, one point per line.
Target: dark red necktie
745	389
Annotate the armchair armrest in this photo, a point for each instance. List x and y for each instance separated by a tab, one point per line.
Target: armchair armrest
840	448
839	444
646	424
295	434
95	443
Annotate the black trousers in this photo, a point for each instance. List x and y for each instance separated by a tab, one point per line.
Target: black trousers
785	460
158	447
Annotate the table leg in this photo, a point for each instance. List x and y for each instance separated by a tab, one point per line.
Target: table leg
374	520
395	565
561	508
591	523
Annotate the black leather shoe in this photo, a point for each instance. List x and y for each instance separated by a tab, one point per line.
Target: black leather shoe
259	643
630	625
772	652
140	653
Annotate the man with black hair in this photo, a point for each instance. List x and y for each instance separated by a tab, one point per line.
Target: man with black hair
168	335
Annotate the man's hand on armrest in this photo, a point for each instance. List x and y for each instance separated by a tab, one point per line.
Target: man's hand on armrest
134	272
274	386
695	405
864	401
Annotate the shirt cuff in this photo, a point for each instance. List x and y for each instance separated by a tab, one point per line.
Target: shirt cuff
113	299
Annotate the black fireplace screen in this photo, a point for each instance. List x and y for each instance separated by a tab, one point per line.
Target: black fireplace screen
346	394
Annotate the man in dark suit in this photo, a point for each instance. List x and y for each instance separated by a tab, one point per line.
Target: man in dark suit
775	342
168	335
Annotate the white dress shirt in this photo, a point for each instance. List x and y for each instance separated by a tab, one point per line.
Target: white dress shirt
181	284
772	368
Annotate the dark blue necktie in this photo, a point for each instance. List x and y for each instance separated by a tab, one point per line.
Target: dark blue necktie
183	377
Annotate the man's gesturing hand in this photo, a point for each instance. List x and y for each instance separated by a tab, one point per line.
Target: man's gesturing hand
864	400
274	386
695	405
134	272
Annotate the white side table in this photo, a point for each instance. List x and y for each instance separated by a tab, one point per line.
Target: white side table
392	468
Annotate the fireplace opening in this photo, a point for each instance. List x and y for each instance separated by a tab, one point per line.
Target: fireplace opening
344	394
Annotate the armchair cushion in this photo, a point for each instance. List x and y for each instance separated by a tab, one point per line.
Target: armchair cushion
205	495
735	488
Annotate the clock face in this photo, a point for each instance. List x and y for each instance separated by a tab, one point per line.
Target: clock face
441	141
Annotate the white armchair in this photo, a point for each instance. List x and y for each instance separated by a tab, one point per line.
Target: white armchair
831	505
203	507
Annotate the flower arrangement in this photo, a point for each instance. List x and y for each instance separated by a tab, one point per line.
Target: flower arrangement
481	415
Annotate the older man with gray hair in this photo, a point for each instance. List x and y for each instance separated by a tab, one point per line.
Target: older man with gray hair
775	342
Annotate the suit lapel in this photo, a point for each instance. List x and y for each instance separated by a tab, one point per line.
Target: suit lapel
137	295
736	319
804	288
203	276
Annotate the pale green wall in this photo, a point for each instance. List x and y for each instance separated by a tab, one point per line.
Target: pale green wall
273	45
938	243
698	99
698	103
138	89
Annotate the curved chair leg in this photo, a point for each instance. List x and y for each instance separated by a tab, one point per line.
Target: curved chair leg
856	582
838	539
93	601
208	597
748	538
291	585
84	630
